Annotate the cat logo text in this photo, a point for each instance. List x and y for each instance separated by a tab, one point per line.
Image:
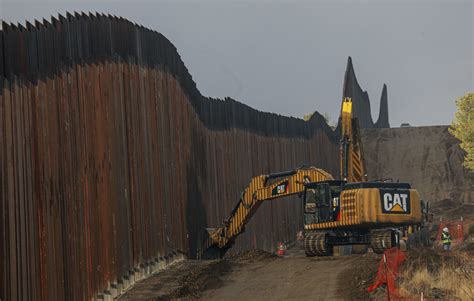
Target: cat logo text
281	188
395	201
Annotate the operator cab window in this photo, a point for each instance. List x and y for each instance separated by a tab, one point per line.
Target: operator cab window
310	206
336	205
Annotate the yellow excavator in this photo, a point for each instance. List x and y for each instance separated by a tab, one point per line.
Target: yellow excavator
350	211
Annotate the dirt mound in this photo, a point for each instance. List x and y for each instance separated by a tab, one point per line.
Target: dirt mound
251	255
208	276
355	280
198	279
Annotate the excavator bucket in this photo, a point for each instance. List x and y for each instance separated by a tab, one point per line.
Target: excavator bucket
209	247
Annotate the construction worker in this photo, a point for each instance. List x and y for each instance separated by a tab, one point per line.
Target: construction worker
446	239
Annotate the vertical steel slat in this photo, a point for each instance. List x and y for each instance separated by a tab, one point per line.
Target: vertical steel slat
3	205
2	59
11	258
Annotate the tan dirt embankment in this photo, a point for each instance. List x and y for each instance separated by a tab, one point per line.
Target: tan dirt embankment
429	158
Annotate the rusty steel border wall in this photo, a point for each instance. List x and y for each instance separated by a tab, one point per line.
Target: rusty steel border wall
42	50
112	162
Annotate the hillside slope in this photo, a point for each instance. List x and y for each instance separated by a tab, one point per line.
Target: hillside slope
427	157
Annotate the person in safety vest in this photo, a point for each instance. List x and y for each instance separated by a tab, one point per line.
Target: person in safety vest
446	239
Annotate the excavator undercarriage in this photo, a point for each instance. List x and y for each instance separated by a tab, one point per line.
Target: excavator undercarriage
322	243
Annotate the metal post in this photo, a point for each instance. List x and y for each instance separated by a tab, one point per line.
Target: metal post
386	270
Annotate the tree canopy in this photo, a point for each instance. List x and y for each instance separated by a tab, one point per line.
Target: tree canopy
463	127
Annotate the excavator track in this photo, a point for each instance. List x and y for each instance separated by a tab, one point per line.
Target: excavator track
381	240
315	244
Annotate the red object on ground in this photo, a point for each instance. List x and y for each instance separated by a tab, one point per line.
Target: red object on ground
281	249
388	272
456	229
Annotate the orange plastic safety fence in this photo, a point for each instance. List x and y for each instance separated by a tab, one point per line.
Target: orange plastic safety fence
388	272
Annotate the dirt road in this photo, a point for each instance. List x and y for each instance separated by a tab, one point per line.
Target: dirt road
255	276
296	278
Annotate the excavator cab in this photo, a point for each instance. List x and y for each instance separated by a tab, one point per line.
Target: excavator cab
321	201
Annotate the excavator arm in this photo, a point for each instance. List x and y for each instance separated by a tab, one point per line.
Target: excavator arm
259	190
351	153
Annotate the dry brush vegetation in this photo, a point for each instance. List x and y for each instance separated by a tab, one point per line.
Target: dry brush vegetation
439	274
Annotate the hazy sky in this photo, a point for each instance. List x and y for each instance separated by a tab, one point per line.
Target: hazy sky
289	57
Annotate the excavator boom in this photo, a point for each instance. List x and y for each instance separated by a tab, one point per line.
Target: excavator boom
259	190
351	153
